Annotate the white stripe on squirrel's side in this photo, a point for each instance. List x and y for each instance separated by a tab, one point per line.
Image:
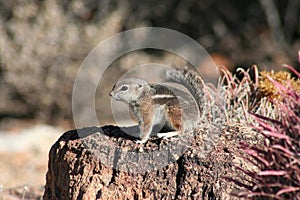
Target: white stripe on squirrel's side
161	96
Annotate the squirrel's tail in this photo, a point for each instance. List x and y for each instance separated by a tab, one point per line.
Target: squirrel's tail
191	80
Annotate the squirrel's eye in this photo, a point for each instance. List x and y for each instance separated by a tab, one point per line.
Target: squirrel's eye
124	88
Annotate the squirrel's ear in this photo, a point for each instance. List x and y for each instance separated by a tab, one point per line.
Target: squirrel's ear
140	85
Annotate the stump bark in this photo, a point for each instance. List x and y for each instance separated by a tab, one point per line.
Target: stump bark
106	163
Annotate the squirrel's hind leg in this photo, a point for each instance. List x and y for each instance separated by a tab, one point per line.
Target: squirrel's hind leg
168	134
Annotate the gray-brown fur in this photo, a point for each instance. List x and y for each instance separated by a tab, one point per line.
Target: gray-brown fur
191	80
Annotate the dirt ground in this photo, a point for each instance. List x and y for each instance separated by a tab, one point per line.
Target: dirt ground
24	159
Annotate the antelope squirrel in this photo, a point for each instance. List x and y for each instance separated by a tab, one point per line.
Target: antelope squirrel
157	105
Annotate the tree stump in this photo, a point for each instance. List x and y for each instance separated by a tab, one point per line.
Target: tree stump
106	163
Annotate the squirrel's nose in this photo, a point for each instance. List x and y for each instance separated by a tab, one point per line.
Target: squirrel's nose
110	93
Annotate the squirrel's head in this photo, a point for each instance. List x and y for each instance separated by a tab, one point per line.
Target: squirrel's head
129	90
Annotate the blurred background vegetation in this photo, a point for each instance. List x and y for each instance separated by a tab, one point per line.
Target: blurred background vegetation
43	43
